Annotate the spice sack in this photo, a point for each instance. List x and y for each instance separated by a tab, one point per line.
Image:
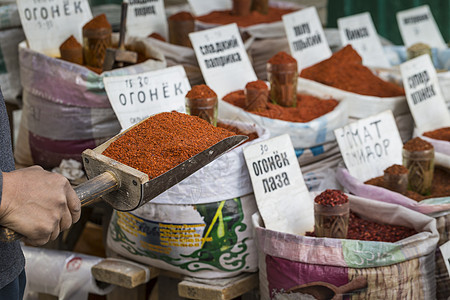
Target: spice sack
200	227
65	106
400	270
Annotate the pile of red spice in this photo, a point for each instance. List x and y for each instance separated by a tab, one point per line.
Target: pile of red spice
282	58
224	17
157	36
365	230
182	16
251	135
442	134
163	141
440	186
201	91
344	70
99	21
70	43
308	107
396	170
331	198
417	144
257	85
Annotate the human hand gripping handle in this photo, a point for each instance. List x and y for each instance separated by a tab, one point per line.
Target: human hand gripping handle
38	205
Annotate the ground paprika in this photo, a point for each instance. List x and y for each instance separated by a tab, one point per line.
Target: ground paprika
71	50
283	76
344	70
201	101
163	141
96	39
180	25
442	134
252	135
256	95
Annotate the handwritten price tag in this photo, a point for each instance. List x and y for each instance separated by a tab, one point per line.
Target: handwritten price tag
417	25
424	95
307	40
136	97
147	17
359	31
222	58
280	191
48	23
370	145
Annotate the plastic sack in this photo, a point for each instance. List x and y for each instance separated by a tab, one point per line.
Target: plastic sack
211	240
65	106
400	270
226	177
64	274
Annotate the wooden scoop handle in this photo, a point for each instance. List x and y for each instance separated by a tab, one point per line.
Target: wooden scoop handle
357	283
88	192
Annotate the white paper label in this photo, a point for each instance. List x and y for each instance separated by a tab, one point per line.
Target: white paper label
48	23
425	100
417	25
370	145
281	194
202	7
222	58
445	251
146	17
307	40
138	96
359	31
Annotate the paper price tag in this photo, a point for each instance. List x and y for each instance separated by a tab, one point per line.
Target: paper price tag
445	251
48	23
306	37
359	31
370	145
423	94
280	191
147	17
417	25
202	7
222	58
138	96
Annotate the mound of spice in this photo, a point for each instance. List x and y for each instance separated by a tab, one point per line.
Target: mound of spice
163	141
201	101
344	70
365	230
224	17
331	213
396	178
71	50
283	76
96	39
256	95
418	158
157	36
308	107
442	134
331	198
180	25
252	135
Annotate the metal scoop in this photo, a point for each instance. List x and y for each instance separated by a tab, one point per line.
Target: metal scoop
126	188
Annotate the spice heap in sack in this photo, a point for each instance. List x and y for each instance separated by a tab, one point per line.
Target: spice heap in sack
442	134
163	141
344	70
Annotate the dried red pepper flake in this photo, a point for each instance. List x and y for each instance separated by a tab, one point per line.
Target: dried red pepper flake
417	144
163	141
442	134
331	198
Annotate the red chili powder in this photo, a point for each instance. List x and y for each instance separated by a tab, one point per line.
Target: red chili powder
157	36
163	141
224	17
344	70
442	134
70	43
281	58
396	170
182	16
308	107
417	144
201	91
99	21
331	198
257	85
252	135
439	186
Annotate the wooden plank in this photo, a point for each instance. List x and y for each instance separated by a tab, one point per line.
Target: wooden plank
122	273
236	287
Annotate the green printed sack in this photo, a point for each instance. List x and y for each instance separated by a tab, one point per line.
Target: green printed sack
210	240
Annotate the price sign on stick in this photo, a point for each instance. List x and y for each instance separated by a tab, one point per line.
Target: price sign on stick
138	96
424	95
307	40
370	145
48	23
417	25
222	58
359	31
147	17
202	7
280	191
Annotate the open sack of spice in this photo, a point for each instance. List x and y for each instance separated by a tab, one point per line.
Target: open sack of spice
390	253
262	22
65	106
